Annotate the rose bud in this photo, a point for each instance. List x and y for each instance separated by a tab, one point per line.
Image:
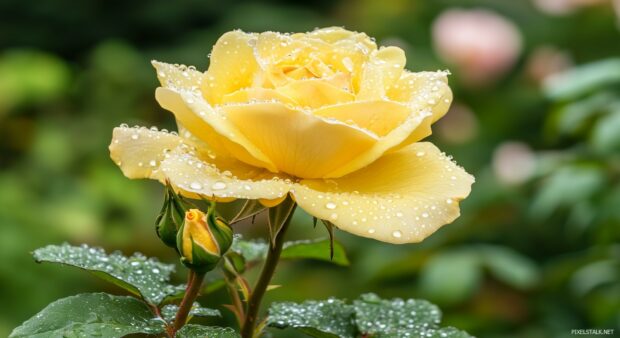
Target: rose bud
203	239
170	217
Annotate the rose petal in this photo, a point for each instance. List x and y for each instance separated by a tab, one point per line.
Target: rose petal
380	72
380	117
232	66
298	143
256	94
423	91
315	93
205	123
402	198
144	153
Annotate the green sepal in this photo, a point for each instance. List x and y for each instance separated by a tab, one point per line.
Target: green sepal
171	217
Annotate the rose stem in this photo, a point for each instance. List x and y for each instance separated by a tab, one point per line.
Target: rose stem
275	249
191	292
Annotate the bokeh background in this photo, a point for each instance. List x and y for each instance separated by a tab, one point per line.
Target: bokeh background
536	119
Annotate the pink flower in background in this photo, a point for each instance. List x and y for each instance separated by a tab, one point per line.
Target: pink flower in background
481	44
513	162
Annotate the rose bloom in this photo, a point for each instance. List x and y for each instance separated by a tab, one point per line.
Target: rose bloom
324	116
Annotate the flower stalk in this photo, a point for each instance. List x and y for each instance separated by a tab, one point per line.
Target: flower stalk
256	297
194	283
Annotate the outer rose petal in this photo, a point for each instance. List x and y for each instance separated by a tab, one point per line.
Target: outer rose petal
416	126
179	92
401	198
232	66
298	143
423	90
428	97
144	153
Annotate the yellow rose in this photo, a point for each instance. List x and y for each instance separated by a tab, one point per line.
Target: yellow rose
325	116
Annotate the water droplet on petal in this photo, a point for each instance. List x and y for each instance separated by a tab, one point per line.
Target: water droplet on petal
195	185
371	231
449	201
397	234
135	136
218	185
330	205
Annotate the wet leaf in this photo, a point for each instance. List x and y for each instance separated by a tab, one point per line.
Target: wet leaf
331	318
138	274
199	331
316	249
256	250
91	315
253	250
400	318
170	311
368	316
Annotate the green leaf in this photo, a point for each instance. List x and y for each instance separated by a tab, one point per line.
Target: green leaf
583	79
142	276
331	318
574	117
199	331
605	135
316	249
254	250
91	315
249	209
510	267
451	277
400	318
566	187
170	311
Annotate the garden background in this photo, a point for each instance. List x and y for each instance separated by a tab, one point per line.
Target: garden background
536	118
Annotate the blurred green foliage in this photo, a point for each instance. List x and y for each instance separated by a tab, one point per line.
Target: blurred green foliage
533	258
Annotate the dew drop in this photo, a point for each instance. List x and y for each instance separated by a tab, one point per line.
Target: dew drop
330	205
135	136
218	185
397	234
153	163
449	201
195	185
371	231
425	214
420	153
